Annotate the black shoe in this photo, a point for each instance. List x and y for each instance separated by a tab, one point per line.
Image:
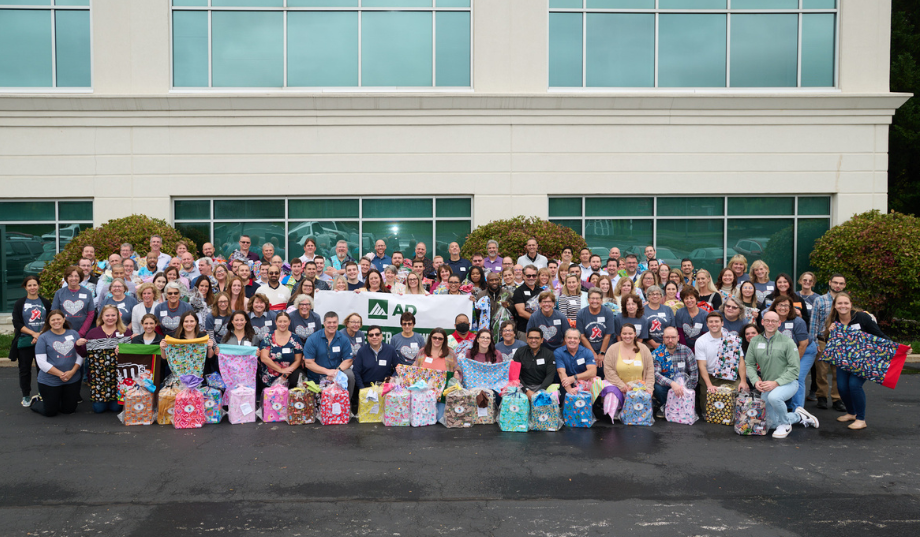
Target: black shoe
839	406
822	403
79	399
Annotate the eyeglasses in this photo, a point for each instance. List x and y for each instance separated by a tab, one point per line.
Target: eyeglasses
172	294
437	338
407	323
378	334
530	275
730	307
245	242
770	321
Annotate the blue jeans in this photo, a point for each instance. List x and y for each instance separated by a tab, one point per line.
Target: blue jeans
100	407
776	405
852	394
661	394
808	359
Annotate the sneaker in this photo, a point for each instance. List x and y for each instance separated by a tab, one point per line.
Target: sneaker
659	414
808	419
839	406
822	403
79	399
782	431
27	401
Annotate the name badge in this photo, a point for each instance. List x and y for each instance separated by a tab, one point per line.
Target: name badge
218	322
247	344
429	360
761	345
462	269
358	340
311	325
268	323
557	322
541	361
286	350
600	319
580	361
855	326
790	325
807	305
697	325
526	293
382	363
336	349
769	288
162	314
413	345
82	295
68	337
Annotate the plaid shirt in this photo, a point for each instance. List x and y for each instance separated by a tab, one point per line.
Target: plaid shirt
819	314
669	364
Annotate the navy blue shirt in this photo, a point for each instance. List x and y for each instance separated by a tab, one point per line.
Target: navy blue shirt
381	263
374	367
573	365
327	354
460	267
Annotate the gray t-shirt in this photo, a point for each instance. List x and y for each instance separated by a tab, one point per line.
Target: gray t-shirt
595	326
33	315
407	348
507	351
61	352
657	321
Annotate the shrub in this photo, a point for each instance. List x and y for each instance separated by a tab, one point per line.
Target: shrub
107	239
513	234
879	254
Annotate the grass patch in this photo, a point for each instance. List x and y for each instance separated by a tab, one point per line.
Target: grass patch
5	341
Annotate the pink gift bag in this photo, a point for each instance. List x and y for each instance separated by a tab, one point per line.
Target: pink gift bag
242	405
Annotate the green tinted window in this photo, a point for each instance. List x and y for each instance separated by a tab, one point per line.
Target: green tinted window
454	208
396	48
323	208
768	240
28	33
625	234
763	4
326	234
764	51
72	48
193	209
621	4
453	49
819	4
691	4
396	3
448	232
817	205
242	209
700	240
394	208
198	232
564	207
26	211
452	3
401	235
691	50
565	45
686	206
565	4
818	31
810	230
574	225
618	206
190	49
322	48
192	3
620	50
322	3
247	49
247	3
227	236
75	210
760	206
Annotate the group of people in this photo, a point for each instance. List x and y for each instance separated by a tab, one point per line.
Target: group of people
566	321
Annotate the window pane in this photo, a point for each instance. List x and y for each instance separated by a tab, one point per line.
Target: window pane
565	46
618	206
393	208
700	240
453	49
769	240
630	236
193	209
452	3
24	250
691	4
691	206
621	4
396	3
810	230
194	3
200	233
402	236
75	210
818	50
26	211
326	234
448	232
620	50
455	208
323	48
762	4
764	50
819	205
691	51
28	2
760	206
323	208
322	3
565	207
71	2
28	32
227	236
565	4
247	49
72	49
239	209
819	4
396	48
247	3
571	224
190	49
68	232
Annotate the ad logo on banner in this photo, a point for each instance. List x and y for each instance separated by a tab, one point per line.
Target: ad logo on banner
377	309
385	309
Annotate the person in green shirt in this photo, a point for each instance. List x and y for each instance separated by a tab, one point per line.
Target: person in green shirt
777	381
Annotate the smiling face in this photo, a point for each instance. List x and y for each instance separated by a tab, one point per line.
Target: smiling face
149	325
56	321
628	335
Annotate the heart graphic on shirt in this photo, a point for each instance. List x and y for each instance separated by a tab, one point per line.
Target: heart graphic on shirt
506	357
691	330
303	331
63	347
261	332
548	331
787	333
34	315
761	296
170	323
408	352
73	307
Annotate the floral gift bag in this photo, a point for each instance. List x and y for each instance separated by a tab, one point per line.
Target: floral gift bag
423	405
238	364
213	412
275	403
397	407
460	409
681	409
544	413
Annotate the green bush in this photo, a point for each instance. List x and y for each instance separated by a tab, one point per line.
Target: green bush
879	254
107	239
513	234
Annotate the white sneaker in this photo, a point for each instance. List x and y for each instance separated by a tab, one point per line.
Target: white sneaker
782	431
27	402
808	419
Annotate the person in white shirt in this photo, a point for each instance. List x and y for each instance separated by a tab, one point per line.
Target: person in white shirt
309	251
156	242
532	257
277	294
707	350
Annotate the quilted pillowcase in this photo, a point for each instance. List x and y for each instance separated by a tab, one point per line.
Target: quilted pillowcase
480	375
410	374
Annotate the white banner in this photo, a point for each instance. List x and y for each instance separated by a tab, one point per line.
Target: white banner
385	309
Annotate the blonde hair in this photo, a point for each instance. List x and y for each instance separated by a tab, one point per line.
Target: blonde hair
565	286
143	287
756	265
710	287
337	279
618	292
738	258
119	324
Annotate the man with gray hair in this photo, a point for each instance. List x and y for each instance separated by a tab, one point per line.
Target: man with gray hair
340	259
493	262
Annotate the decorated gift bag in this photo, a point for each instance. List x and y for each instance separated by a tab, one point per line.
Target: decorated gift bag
335	406
720	406
139	406
242	405
139	361
750	415
577	409
612	399
275	402
459	409
681	409
544	413
238	364
864	355
728	358
485	406
370	404
102	368
189	408
166	402
409	375
423	405
637	405
515	411
213	411
301	403
479	375
397	407
214	380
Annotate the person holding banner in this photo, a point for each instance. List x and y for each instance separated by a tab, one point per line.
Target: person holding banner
373	283
391	284
407	343
415	285
327	352
437	355
190	329
375	361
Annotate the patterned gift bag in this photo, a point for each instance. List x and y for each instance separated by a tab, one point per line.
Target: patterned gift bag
370	404
274	403
189	407
242	405
637	406
335	407
301	404
238	365
750	415
213	412
410	374
577	410
729	357
214	380
139	406
397	407
102	368
186	356
720	406
485	406
515	412
864	355
136	361
681	409
423	404
166	402
460	409
480	375
544	413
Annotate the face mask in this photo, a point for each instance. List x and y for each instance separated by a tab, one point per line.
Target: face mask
463	328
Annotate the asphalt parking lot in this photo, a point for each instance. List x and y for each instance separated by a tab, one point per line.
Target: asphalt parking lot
87	474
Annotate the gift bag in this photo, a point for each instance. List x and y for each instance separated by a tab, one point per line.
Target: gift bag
102	368
612	399
750	415
423	405
135	361
728	358
370	404
301	404
544	413
189	407
213	412
242	405
410	375
214	380
275	403
681	409
397	407
864	355
238	366
139	406
460	409
166	402
334	407
637	406
186	356
515	412
577	409
479	375
720	406
485	406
